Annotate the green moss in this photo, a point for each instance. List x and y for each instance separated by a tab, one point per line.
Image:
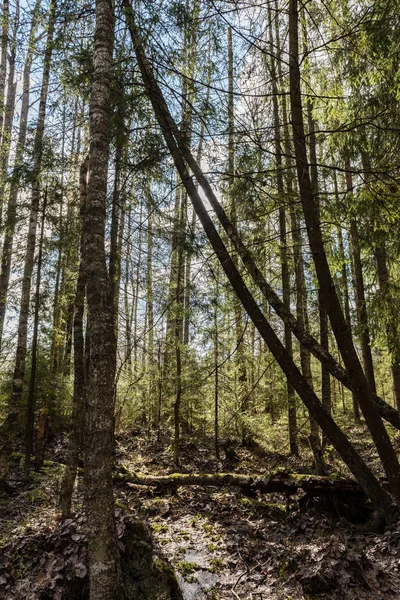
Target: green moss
186	568
183	535
164	541
246	502
212	548
216	565
36	496
163	567
172	581
119	504
208	528
194	520
273	509
159	527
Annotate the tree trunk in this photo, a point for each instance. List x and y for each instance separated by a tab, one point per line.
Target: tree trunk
367	480
11	213
117	204
292	413
3	64
346	300
75	441
178	323
328	291
32	382
392	327
127	315
315	439
343	496
359	286
216	378
11	423
104	562
150	313
8	111
240	359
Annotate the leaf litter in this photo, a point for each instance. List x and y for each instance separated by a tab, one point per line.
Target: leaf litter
221	544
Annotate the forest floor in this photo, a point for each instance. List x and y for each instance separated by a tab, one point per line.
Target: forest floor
222	545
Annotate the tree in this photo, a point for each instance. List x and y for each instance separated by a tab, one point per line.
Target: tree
104	562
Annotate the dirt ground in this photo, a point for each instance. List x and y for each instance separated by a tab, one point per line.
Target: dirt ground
221	544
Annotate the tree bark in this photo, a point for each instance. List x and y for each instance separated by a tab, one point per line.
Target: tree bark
104	562
8	112
328	291
3	63
11	423
292	413
11	212
359	285
75	441
392	327
32	382
19	369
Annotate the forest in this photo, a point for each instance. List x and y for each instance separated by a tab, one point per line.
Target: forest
199	299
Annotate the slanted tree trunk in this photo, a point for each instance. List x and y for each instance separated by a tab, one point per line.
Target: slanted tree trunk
104	562
328	291
180	154
297	327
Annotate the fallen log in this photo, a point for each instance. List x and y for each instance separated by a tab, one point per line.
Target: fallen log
281	482
342	496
